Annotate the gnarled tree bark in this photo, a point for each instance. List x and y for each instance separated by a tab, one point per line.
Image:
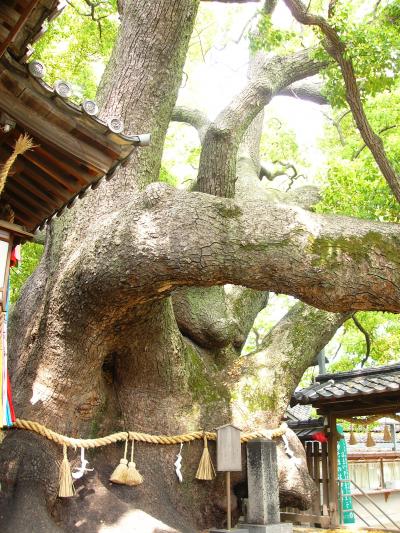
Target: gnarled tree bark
106	335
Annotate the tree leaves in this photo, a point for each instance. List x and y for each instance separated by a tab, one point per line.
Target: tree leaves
77	46
353	185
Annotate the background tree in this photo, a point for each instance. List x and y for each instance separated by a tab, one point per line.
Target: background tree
145	294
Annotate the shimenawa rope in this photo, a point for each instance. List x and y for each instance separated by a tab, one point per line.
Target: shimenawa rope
140	437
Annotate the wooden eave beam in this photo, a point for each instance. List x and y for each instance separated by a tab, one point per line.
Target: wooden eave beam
15	228
39	179
22	218
37	95
26	197
30	213
51	171
79	172
26	186
17	28
361	410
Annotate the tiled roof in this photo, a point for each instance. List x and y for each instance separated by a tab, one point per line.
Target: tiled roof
347	385
75	149
298	413
304	429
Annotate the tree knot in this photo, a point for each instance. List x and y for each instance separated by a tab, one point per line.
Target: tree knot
155	192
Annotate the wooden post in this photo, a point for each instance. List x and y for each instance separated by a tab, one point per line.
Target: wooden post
325	478
229	459
382	474
316	475
228	500
333	470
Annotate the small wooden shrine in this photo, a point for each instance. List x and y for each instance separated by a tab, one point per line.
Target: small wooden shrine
366	393
73	148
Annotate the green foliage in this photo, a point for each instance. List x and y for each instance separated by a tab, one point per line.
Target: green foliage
268	37
372	43
166	177
76	47
278	306
280	148
353	184
31	254
279	143
181	156
384	332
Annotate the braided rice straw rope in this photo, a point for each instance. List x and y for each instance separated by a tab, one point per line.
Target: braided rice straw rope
22	144
140	437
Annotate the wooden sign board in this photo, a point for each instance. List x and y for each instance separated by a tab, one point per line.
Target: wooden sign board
229	450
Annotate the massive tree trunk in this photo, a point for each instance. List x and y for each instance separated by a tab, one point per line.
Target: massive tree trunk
131	321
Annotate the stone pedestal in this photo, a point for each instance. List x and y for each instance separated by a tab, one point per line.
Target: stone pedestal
262	478
283	527
234	530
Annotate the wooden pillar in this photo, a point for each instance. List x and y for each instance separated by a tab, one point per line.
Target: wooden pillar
333	471
382	475
8	238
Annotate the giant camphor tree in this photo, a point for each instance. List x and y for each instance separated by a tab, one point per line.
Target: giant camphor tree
137	313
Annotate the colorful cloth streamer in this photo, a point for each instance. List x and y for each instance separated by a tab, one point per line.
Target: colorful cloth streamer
15	258
6	406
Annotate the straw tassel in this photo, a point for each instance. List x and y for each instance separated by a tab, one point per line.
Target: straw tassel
66	488
370	440
119	474
206	469
23	143
353	439
387	437
133	477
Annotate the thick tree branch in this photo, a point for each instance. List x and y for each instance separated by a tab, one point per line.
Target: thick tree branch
217	169
193	117
173	238
293	343
336	48
217	317
306	90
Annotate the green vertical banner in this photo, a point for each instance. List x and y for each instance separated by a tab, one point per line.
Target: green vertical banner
343	473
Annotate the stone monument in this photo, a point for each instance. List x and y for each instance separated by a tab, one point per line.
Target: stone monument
263	515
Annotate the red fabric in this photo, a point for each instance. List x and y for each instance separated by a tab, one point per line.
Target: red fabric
15	255
13	258
9	396
320	436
